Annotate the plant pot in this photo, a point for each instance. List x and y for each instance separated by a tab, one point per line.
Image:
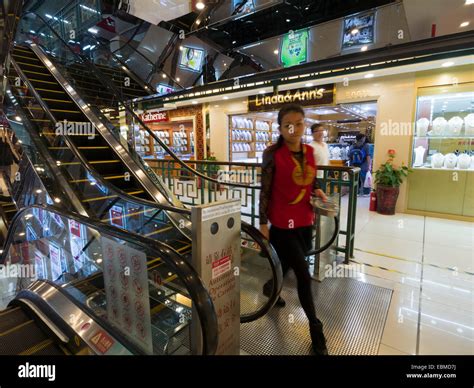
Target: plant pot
387	199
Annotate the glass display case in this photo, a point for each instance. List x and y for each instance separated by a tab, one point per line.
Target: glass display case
444	128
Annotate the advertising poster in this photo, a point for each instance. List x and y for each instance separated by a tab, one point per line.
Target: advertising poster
294	48
191	59
242	6
126	290
76	243
55	260
40	269
358	30
116	216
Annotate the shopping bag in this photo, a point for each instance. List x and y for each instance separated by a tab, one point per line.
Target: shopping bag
368	180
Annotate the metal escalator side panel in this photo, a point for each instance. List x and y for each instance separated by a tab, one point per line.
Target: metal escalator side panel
44	295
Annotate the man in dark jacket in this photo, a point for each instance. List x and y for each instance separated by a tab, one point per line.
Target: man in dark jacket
359	156
7	158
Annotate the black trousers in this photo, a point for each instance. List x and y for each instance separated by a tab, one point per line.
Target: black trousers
291	246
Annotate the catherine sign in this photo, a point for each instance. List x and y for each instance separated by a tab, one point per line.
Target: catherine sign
313	96
294	48
155	117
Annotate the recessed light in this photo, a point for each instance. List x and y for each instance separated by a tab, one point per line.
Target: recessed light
469	2
262	91
198	22
370	75
17	118
288	20
447	64
363	48
163	75
195	102
275	52
225	98
464	24
200	5
309	84
178	79
234	42
216	106
181	48
57	200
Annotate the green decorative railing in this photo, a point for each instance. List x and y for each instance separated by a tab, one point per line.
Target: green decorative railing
192	190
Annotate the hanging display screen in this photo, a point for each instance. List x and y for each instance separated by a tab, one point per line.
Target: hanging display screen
164	89
191	59
358	30
294	48
243	6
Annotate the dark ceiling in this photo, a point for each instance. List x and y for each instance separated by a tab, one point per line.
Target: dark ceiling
273	21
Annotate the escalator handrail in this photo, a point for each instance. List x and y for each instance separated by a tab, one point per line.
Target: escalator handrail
149	88
202	301
116	92
276	268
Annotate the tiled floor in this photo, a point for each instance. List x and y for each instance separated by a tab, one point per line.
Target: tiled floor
429	263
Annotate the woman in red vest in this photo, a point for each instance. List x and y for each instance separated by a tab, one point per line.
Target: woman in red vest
288	179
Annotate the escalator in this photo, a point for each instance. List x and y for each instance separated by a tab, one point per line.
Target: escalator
97	167
21	334
76	298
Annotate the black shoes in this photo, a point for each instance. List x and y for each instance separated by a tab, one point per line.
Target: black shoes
318	339
267	291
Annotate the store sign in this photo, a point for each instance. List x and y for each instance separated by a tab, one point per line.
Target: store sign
155	117
314	96
116	216
294	48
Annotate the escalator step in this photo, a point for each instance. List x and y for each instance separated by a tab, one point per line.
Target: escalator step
22	56
46	347
51	350
12	317
20	338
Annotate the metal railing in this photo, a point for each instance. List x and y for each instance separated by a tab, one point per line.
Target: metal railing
192	190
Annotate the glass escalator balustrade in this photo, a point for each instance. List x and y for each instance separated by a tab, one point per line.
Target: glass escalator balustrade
134	287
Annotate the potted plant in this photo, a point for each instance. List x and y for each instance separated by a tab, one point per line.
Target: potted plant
388	179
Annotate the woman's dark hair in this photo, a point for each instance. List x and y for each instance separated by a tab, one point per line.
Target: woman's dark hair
316	126
284	110
360	136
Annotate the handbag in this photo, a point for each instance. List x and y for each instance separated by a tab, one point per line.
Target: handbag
368	180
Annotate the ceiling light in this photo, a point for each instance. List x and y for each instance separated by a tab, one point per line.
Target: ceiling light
57	200
262	91
39	191
234	42
200	5
464	24
308	85
17	118
469	2
370	75
163	75
447	64
355	31
216	106
225	98
275	52
363	48
198	22
195	102
181	48
288	20
178	79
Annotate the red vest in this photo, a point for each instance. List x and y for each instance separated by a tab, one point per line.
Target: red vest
290	205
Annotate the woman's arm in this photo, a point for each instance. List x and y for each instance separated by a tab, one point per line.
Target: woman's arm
268	167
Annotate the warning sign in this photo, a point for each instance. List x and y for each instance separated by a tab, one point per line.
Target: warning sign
102	341
221	266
